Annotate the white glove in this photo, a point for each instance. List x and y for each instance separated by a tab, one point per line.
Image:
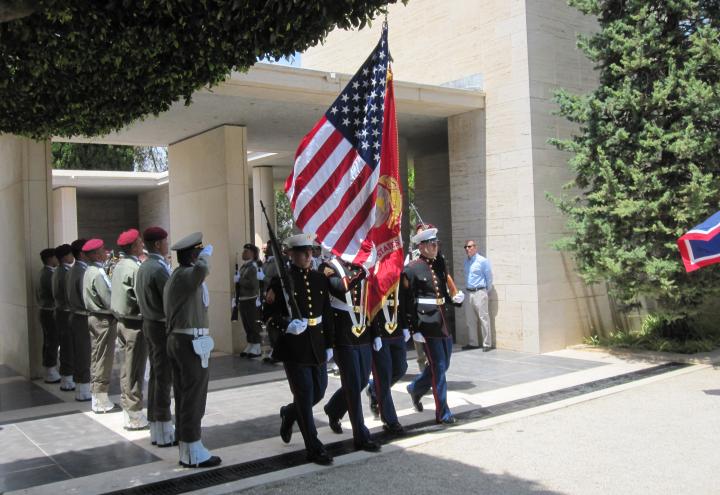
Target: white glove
406	334
207	250
328	354
236	277
418	337
260	275
459	297
296	327
377	344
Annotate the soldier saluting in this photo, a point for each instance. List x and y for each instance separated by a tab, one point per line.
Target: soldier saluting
305	345
354	342
424	294
186	300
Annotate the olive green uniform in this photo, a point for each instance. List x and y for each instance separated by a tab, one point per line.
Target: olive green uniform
102	325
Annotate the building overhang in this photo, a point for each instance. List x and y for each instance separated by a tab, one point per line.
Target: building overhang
101	182
280	104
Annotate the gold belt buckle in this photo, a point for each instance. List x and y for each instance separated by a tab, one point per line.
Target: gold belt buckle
312	322
440	301
357	309
391	327
358	330
391	302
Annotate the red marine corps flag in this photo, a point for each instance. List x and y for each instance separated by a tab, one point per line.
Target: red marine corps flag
344	186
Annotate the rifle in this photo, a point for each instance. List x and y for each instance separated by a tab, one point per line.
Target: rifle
452	288
285	280
235	306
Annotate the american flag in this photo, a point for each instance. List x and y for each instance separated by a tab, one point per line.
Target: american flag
333	186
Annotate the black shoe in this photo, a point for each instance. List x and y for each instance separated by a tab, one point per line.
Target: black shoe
243	354
56	381
369	446
286	426
335	425
395	429
320	457
489	348
252	356
373	403
415	400
470	347
449	421
212	462
166	445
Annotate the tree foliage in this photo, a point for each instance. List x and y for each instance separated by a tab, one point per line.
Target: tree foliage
79	156
646	157
84	67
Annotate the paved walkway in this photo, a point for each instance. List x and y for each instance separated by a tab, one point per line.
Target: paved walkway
659	436
44	455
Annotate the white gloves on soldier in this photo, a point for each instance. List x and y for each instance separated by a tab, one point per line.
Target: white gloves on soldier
459	297
406	334
377	344
418	337
328	354
207	250
296	327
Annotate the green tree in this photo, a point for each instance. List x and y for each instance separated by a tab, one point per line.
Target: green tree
85	67
646	157
283	216
75	156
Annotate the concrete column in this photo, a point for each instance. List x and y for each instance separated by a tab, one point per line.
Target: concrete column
263	190
403	169
25	210
468	193
65	220
209	193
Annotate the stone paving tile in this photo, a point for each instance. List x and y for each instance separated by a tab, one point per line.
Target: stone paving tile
22	394
34	477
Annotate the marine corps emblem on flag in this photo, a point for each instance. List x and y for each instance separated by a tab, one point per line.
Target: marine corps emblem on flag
389	202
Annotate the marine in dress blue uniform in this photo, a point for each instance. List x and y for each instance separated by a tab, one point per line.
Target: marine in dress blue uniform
425	295
303	345
353	350
389	362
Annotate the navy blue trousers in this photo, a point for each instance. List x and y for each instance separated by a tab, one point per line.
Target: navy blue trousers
308	385
389	364
438	351
354	363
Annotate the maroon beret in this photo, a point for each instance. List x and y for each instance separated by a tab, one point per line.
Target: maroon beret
92	245
128	237
152	234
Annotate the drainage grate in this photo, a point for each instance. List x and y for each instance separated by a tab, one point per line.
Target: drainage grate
227	474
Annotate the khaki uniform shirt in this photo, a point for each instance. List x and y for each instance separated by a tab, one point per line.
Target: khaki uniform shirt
96	289
74	287
123	301
149	286
183	297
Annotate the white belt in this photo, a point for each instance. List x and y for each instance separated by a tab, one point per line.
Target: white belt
427	300
337	304
194	332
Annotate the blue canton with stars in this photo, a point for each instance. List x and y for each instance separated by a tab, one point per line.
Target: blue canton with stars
358	112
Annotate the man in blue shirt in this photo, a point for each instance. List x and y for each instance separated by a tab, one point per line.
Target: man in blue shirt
478	280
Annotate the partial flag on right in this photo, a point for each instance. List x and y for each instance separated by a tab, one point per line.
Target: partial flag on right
700	246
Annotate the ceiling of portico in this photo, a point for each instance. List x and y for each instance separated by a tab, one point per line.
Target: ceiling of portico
279	105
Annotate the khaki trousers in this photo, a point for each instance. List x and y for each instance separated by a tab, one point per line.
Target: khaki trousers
190	384
132	373
476	312
158	401
103	330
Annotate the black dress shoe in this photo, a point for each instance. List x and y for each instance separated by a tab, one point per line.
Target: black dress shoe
449	421
320	457
470	347
243	354
212	462
417	404
373	403
252	356
489	348
286	426
395	429
335	425
165	445
369	446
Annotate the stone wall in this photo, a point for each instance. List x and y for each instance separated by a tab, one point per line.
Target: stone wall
106	217
154	208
